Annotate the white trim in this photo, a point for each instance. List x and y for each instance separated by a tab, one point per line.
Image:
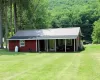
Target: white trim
36	45
21	42
65	45
55	45
49	37
74	45
47	45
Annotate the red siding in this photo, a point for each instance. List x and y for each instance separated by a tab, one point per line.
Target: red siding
78	38
28	44
12	44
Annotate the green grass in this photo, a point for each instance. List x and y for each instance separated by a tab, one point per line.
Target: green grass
83	65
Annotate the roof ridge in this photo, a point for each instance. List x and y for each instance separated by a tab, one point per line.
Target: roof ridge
47	29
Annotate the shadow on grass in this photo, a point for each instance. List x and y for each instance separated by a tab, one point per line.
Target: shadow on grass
70	52
60	52
6	52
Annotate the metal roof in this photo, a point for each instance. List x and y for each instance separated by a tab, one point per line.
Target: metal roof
56	33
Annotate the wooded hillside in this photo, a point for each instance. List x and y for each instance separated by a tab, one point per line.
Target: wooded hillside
38	14
71	13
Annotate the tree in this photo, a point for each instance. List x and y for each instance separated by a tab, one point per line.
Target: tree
15	16
1	43
1	30
5	22
75	13
36	16
96	32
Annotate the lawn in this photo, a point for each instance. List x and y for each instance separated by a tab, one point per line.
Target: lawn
83	65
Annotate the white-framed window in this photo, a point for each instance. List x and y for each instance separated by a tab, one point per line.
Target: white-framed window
22	43
69	42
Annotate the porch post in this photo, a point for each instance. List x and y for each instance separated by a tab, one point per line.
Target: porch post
55	45
65	45
36	45
74	45
47	45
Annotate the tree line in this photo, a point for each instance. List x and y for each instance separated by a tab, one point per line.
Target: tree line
21	14
38	14
75	13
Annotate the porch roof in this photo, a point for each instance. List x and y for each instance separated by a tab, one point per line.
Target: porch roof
56	33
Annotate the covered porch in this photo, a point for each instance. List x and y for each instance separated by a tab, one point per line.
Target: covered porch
57	45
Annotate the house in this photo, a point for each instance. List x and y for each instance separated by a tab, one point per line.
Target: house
55	40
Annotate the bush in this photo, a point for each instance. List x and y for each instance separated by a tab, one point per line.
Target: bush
96	32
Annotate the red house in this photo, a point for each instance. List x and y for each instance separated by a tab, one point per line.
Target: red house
58	39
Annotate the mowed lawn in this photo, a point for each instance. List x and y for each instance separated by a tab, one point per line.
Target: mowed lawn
83	65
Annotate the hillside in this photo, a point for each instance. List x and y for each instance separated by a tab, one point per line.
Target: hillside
68	4
83	13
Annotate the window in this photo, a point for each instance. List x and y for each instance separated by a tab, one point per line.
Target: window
22	43
69	42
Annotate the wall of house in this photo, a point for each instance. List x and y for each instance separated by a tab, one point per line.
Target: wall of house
77	44
12	44
29	45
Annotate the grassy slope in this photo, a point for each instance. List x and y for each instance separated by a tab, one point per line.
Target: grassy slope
52	66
